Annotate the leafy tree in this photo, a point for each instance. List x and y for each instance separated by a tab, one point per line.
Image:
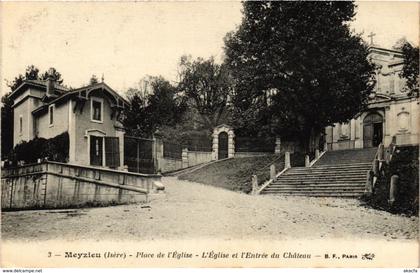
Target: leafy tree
207	86
135	116
410	69
161	108
31	73
301	62
6	125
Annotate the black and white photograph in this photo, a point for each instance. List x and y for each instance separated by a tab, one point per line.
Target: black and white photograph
209	134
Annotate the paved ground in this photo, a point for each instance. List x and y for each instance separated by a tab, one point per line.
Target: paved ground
192	210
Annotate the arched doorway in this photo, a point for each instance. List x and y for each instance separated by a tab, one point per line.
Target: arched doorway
372	130
223	145
223	142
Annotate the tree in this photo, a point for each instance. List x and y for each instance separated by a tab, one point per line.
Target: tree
162	107
207	86
56	76
31	73
301	61
6	126
410	69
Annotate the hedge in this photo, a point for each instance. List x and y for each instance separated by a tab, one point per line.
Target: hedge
54	149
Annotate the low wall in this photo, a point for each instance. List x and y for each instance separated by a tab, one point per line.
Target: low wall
60	185
191	158
195	158
170	164
251	154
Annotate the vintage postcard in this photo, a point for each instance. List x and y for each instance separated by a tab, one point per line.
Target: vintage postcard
210	134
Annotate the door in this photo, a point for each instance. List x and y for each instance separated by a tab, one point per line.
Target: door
223	145
377	134
112	152
367	135
372	130
96	150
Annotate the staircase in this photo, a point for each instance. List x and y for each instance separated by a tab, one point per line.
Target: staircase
336	174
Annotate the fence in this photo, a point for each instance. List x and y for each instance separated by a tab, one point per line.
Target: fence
200	143
138	154
172	150
255	144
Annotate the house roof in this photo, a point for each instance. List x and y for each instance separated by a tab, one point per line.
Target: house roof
82	93
42	84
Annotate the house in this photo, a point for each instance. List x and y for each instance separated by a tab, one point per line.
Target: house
89	114
390	112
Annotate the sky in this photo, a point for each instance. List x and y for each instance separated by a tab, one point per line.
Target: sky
128	40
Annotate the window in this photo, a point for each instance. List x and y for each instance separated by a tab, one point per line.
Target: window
96	110
51	114
20	124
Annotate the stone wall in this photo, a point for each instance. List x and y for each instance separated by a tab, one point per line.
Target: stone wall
189	159
170	164
196	157
60	185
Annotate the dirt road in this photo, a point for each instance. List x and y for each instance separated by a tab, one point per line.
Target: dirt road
192	210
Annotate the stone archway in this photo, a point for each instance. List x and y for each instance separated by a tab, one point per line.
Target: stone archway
219	134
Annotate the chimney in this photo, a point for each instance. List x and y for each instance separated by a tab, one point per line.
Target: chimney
50	83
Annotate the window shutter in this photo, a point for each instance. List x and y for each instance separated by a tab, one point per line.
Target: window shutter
112	152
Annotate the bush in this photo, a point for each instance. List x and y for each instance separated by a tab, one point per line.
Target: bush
404	164
54	149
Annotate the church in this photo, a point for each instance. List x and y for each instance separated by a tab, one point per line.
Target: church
390	113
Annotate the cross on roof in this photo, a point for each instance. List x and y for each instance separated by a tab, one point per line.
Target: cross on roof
371	35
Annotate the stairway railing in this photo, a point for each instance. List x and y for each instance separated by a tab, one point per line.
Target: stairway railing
256	189
317	158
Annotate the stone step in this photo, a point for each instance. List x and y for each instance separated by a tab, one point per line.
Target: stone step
338	164
347	156
337	167
336	174
319	193
329	174
302	183
314	185
323	175
323	194
315	190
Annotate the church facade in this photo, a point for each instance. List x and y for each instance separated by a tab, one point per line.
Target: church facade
390	113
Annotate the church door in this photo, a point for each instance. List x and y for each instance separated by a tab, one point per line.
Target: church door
223	145
372	130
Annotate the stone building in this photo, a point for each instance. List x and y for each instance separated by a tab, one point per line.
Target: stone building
89	115
390	111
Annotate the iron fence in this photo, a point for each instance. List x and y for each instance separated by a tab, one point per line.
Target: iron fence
138	154
255	144
200	143
172	150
